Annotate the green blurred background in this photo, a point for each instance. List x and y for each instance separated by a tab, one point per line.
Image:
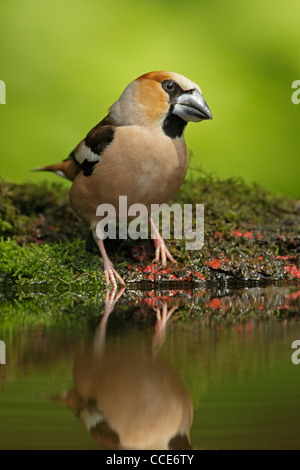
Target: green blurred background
65	62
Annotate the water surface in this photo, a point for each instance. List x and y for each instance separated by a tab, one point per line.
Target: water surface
206	369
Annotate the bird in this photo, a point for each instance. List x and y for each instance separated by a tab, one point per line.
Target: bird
138	150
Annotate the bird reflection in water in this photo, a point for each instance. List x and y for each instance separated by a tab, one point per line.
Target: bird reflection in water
131	400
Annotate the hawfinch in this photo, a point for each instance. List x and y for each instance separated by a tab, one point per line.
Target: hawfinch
138	150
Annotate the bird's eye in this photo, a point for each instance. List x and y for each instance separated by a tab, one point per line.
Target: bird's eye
169	85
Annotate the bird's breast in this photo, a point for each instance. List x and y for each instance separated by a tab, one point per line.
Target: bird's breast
148	167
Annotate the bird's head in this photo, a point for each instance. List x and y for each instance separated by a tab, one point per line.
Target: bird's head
164	99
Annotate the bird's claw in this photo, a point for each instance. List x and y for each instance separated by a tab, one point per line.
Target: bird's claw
162	253
111	277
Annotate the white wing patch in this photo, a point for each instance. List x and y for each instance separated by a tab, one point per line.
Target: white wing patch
60	173
83	152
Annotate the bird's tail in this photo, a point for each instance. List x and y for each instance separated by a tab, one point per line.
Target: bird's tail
67	169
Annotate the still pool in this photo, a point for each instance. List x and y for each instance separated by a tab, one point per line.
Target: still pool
203	369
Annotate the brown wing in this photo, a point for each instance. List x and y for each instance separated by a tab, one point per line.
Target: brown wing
88	153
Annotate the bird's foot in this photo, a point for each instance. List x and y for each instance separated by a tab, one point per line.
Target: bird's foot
161	252
111	275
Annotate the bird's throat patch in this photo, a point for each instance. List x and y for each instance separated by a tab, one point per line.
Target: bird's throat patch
173	126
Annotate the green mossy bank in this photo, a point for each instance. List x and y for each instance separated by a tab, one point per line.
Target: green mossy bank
251	235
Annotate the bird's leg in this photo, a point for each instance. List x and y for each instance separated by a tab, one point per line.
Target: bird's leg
111	275
161	250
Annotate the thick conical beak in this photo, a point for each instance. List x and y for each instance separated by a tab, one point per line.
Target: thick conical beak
191	106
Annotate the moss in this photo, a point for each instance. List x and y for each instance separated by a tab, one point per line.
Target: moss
37	213
52	265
